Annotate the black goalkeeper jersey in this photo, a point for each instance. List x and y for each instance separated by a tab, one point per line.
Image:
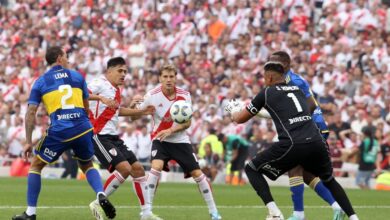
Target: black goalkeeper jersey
288	108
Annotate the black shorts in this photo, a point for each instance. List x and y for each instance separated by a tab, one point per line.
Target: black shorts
182	153
239	162
280	158
111	150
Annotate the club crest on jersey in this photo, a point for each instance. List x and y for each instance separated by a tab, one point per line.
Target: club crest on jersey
154	152
113	152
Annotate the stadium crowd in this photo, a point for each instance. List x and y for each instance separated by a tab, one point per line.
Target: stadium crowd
341	47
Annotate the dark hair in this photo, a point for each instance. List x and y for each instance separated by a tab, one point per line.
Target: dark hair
168	67
115	61
369	133
221	136
274	66
52	53
281	56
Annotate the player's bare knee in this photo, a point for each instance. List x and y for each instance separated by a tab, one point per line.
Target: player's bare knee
296	171
196	173
308	177
124	169
137	170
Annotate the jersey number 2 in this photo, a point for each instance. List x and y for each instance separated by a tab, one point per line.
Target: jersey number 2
65	97
296	102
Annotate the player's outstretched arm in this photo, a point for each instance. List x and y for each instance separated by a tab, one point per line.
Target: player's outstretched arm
241	116
167	132
30	121
109	102
149	110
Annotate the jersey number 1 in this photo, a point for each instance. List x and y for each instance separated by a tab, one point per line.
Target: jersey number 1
68	94
296	102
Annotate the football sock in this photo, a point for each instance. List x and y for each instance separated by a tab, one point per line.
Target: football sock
273	208
94	179
33	190
259	184
152	182
205	190
340	196
353	217
336	206
297	189
113	182
322	191
31	210
141	189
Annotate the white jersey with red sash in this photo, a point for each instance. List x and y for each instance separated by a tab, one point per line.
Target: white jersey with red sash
104	120
162	118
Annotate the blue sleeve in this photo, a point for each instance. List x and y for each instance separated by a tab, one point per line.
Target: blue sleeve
35	94
301	83
85	90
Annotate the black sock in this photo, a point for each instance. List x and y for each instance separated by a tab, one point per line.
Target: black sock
340	196
260	185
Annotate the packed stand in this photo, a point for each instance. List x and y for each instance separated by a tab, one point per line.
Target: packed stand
341	47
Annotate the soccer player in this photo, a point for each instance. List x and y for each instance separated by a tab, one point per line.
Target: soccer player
297	175
65	96
300	142
109	148
170	141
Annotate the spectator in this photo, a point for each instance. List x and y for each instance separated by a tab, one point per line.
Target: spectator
368	151
214	164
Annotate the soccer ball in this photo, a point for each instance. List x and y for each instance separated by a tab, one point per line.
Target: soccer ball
181	111
202	163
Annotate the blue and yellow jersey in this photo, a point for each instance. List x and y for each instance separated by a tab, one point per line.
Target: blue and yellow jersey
62	92
296	80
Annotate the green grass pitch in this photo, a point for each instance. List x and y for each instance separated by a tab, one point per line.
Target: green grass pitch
69	199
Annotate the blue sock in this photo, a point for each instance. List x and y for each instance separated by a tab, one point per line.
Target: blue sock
33	188
297	189
322	191
94	180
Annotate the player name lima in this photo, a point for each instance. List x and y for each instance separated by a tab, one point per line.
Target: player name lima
287	88
61	75
68	116
300	118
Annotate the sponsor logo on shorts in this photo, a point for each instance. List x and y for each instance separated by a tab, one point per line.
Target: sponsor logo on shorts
271	170
49	153
154	152
113	152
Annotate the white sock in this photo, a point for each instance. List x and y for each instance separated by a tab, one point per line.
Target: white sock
336	206
113	182
152	183
273	208
31	210
353	217
299	214
205	189
141	190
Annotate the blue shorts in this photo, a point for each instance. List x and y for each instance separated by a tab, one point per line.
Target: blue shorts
49	148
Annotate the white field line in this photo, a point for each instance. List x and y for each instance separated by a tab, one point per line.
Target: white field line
194	207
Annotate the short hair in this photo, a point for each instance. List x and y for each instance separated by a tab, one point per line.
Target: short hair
115	61
168	67
282	57
274	66
52	53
